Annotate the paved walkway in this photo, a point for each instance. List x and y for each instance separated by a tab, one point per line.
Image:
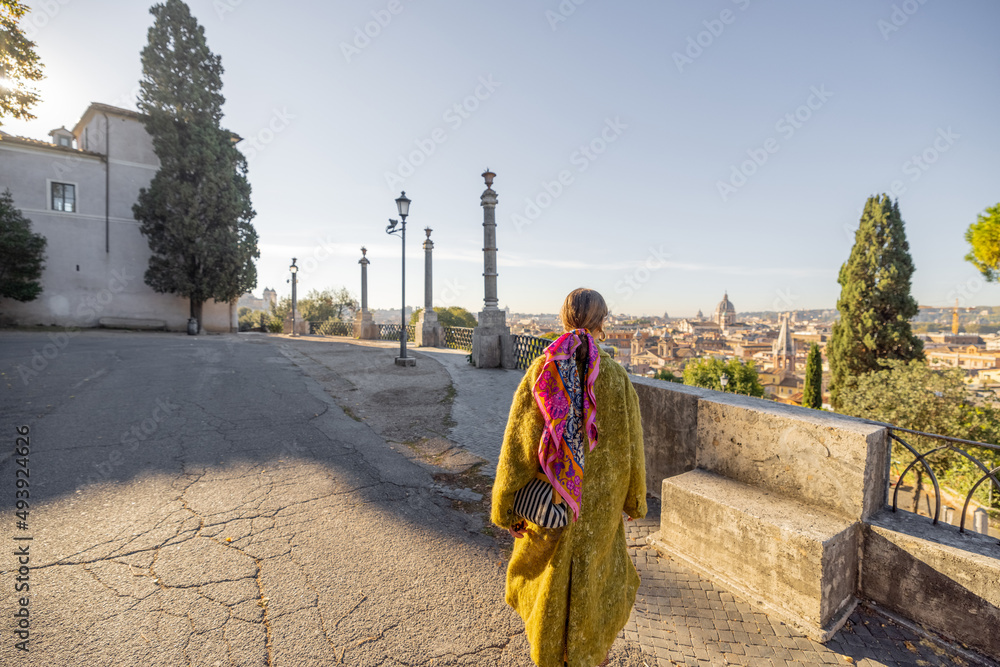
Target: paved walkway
482	402
680	617
259	500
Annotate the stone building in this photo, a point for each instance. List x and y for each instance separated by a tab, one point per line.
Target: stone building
78	191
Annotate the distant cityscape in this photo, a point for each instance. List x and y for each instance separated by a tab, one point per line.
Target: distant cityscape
776	342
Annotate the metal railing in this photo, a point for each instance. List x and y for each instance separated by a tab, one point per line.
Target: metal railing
527	349
331	328
391	332
458	338
991	472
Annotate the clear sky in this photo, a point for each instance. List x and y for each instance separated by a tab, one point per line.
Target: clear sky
703	147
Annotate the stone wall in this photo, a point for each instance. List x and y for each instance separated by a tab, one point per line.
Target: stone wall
750	488
815	457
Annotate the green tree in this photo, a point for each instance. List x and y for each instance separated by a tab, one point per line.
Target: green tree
875	303
196	212
452	316
705	372
913	395
19	64
280	308
327	305
812	393
984	238
664	374
22	253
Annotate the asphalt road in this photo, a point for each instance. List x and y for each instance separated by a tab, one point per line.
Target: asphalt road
203	501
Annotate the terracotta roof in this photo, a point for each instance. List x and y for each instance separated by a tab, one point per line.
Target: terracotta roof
25	141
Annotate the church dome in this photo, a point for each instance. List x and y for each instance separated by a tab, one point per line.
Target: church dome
725	306
725	312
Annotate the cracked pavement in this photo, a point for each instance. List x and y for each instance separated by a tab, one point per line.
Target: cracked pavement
254	500
204	501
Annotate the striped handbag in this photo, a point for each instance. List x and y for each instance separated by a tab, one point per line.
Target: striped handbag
535	503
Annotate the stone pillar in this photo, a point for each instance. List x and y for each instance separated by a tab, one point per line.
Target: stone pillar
429	332
364	326
492	345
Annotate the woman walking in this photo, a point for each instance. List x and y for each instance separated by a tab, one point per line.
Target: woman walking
574	423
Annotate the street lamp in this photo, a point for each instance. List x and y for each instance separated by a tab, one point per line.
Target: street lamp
723	380
295	270
403	206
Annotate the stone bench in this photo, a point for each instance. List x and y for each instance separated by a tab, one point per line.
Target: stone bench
132	323
798	561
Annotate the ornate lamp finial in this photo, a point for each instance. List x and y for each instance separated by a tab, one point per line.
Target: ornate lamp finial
428	230
488	176
364	251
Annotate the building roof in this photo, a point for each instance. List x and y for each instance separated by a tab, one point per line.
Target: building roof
6	138
96	108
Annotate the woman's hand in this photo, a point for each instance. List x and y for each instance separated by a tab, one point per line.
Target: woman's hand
517	530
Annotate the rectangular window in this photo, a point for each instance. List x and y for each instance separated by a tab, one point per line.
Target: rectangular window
64	197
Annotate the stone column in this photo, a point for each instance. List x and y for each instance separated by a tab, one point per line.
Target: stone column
492	346
364	326
429	332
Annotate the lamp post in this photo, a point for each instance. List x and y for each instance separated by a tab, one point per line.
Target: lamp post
403	206
295	270
724	380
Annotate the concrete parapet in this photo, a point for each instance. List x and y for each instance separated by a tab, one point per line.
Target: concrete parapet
669	428
796	560
934	575
818	458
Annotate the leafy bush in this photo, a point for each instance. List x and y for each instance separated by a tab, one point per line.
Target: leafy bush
450	317
913	395
250	319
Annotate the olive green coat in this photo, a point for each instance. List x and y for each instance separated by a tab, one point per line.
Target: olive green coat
574	587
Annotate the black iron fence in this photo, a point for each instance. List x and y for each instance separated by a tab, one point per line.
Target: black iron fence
332	328
527	349
458	338
391	332
945	453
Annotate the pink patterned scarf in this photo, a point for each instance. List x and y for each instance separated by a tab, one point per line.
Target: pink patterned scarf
568	407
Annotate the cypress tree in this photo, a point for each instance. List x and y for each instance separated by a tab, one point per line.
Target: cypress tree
196	212
875	303
812	393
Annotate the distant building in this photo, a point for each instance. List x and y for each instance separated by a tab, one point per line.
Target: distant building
969	358
783	349
78	191
248	300
955	338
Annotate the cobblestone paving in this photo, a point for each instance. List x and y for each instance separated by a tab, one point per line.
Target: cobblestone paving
680	617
